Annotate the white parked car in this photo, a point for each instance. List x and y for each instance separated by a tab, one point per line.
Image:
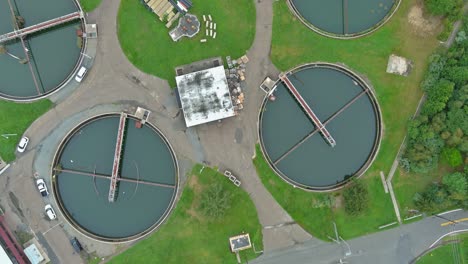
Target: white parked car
22	144
41	185
81	74
50	212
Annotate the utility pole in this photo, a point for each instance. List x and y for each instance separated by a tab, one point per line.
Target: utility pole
339	240
336	232
348	253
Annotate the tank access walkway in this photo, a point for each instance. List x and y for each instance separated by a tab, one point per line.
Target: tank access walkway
318	124
117	156
40	26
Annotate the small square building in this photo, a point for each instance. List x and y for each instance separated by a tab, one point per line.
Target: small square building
240	242
203	92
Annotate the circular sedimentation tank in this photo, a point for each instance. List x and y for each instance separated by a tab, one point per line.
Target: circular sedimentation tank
294	146
147	186
344	18
53	53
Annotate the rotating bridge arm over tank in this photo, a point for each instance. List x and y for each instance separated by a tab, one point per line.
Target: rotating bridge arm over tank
117	155
318	124
40	26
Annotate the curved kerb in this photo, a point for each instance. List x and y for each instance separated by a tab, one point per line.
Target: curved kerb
70	219
375	147
371	30
73	72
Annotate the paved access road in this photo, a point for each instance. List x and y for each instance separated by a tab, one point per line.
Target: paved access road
395	246
114	84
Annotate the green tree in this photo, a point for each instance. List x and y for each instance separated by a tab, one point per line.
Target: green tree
456	184
427	200
452	156
215	201
443	7
456	119
457	74
356	198
463	146
438	96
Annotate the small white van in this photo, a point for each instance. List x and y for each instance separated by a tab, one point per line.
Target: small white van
81	73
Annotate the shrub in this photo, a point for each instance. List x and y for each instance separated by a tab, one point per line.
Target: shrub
215	201
356	198
427	200
443	7
461	36
452	156
456	184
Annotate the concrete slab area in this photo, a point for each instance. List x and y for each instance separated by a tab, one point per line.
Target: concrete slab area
114	84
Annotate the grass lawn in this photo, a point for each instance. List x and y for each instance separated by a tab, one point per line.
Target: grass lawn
89	5
309	211
398	97
448	253
15	119
190	237
406	185
146	41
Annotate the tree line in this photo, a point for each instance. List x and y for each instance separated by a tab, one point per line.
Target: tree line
440	131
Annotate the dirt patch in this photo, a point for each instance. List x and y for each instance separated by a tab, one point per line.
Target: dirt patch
270	181
23	236
195	184
421	24
338	202
15	202
197	188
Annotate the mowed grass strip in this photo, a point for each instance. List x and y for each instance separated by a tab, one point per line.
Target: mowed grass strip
294	44
146	42
190	237
449	253
89	5
15	118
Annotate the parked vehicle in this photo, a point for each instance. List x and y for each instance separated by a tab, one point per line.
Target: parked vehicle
50	212
42	187
76	245
81	74
23	144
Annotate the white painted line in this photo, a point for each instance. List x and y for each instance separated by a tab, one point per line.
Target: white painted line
448	212
204	18
448	234
207	32
4	169
214	26
387	225
51	228
412	217
214	35
209	17
207	24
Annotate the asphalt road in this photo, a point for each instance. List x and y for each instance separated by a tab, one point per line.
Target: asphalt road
395	246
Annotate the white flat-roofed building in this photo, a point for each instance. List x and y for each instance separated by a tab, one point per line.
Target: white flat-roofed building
204	96
4	258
